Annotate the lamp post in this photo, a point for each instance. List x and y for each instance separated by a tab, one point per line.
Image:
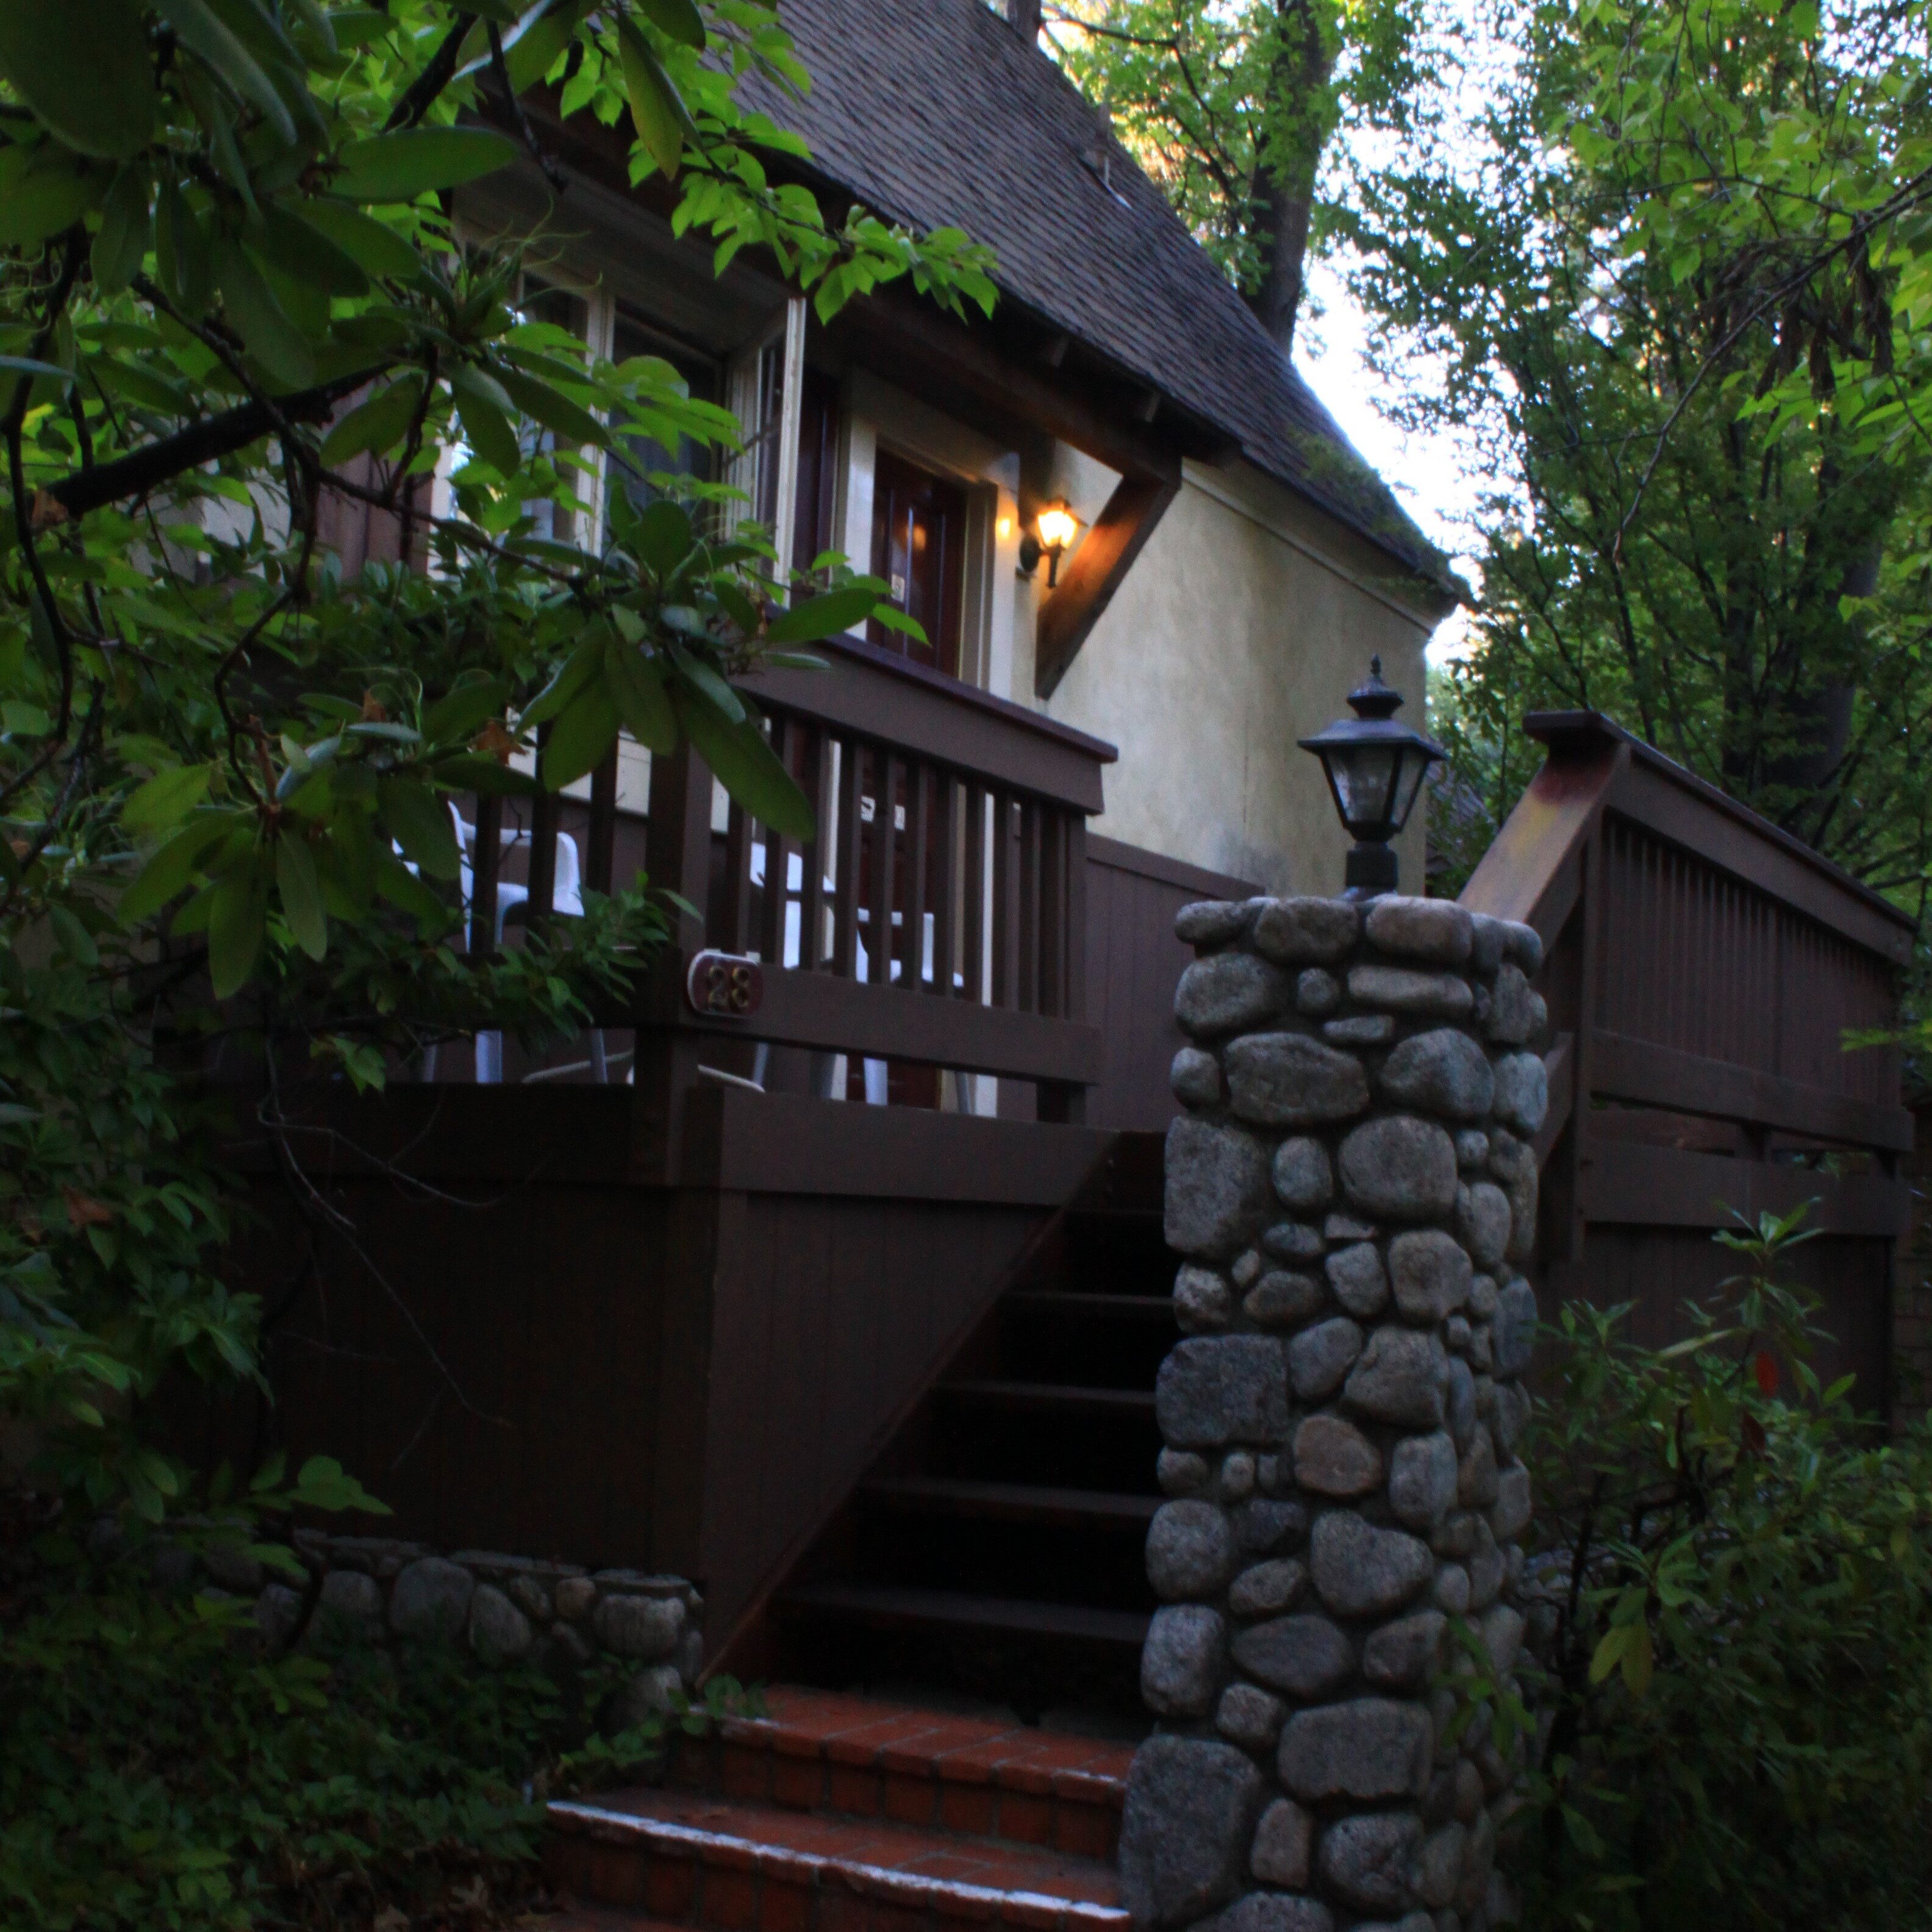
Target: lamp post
1375	769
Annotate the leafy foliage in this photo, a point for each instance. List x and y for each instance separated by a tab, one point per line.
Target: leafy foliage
165	1767
1674	266
1737	1717
231	295
1230	108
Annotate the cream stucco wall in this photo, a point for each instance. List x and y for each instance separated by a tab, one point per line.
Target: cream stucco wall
1241	627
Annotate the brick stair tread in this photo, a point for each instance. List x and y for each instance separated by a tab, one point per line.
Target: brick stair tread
950	1877
891	1603
867	1732
573	1914
1013	1502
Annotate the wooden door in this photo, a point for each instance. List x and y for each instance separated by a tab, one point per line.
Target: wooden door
919	547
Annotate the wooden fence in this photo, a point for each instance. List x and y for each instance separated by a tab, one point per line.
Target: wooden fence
1703	970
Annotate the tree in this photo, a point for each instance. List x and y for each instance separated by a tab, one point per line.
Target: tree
229	290
1231	109
1674	269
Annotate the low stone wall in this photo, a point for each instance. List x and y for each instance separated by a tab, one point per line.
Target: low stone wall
1353	1184
505	1608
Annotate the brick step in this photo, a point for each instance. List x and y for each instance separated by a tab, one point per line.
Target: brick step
863	1758
693	1859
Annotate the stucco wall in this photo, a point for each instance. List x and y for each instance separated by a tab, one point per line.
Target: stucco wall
1242	627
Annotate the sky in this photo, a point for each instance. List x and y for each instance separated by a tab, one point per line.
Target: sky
1422	469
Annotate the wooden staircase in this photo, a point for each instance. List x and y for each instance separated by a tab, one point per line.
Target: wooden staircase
990	1563
996	1550
834	1813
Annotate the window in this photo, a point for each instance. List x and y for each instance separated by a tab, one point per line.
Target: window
813	531
919	547
630	336
564	310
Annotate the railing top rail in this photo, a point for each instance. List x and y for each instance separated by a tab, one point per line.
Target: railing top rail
1570	733
882	696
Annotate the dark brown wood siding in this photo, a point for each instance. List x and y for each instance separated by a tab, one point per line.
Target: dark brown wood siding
1133	964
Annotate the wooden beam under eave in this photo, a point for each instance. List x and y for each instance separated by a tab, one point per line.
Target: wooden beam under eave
1095	571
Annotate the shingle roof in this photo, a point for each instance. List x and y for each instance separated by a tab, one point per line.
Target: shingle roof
935	113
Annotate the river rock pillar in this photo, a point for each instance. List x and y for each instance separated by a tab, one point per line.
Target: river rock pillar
1353	1188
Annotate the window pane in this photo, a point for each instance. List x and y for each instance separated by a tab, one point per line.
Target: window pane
646	455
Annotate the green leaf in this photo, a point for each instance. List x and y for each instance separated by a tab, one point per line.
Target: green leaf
377	425
419	821
696	671
677	20
400	167
302	894
181	253
167	798
472	772
580	737
637	688
43	190
122	241
662	123
238	915
746	765
535	51
170	871
263	325
1609	1651
73	938
576	671
663	537
303	252
378	249
825	616
544	405
84	68
198	30
485	421
465	709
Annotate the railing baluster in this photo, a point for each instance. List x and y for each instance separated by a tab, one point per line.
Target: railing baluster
778	855
737	923
913	898
946	884
546	816
810	859
1029	976
486	867
885	816
602	855
972	900
1003	921
851	847
1073	895
1052	912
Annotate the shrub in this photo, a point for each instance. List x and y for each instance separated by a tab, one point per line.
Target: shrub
164	1767
1735	1726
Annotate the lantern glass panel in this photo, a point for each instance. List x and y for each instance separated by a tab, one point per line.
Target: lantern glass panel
1414	767
1364	776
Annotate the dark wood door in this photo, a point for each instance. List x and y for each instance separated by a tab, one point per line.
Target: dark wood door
919	547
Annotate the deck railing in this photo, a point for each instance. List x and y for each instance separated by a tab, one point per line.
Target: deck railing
1703	970
936	920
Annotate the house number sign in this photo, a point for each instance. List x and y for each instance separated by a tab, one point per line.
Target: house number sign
725	985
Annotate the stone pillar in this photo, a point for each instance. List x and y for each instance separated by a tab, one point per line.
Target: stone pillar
1352	1186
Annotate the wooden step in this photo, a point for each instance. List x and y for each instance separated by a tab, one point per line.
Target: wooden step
886	1605
691	1858
1075	1301
863	1757
1075	1396
1011	1502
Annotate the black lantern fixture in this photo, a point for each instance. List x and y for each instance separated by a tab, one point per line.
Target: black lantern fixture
1375	769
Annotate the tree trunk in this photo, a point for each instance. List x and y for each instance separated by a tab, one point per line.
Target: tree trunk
1285	181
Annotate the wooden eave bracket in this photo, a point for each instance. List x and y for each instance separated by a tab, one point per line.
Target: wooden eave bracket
1096	570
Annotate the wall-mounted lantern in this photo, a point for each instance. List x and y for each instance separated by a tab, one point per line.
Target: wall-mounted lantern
1051	537
1375	769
